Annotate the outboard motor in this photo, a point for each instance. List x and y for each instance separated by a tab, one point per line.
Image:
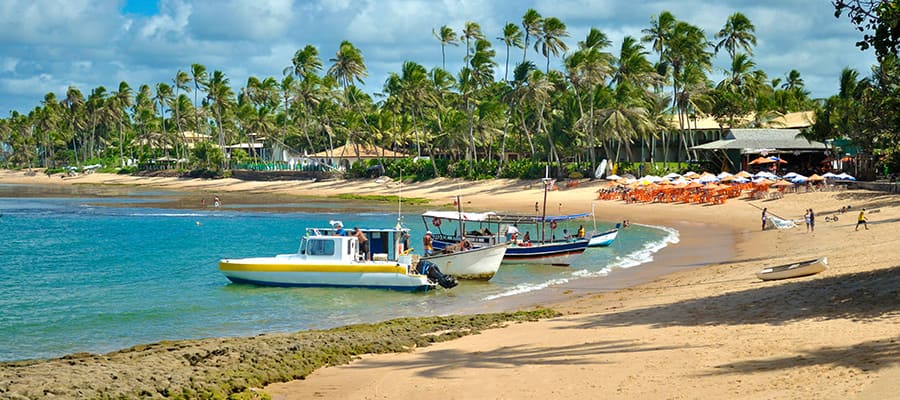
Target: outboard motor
434	274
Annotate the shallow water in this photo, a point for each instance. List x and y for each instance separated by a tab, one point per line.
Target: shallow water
96	274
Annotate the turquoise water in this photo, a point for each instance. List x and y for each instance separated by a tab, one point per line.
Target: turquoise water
86	274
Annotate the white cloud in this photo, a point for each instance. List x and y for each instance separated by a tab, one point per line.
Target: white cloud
241	20
50	44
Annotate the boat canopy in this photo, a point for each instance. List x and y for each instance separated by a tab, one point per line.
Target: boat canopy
536	219
465	216
501	218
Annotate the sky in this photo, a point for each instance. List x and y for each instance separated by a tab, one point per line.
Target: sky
49	45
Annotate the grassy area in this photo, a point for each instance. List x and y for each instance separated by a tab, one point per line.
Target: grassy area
228	368
383	198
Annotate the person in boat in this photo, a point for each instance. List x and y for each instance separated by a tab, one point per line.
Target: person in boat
428	243
363	242
526	238
339	229
566	235
580	233
512	232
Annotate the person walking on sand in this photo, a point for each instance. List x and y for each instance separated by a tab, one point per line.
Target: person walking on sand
765	210
862	220
806	219
812	220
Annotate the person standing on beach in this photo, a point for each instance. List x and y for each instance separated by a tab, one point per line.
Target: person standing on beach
812	221
216	202
806	219
862	220
765	210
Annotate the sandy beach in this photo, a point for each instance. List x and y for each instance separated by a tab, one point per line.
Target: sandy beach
694	323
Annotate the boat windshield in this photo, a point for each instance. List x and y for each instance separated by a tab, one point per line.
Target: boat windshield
320	247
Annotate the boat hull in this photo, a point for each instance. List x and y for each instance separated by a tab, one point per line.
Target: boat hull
479	263
280	271
794	270
561	253
603	239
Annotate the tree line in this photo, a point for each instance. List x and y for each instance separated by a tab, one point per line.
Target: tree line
603	101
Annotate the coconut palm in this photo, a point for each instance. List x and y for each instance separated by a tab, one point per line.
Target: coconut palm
74	104
221	99
532	23
121	100
199	77
512	37
471	33
550	39
737	33
446	36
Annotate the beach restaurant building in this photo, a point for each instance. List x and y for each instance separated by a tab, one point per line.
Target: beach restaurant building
343	157
740	146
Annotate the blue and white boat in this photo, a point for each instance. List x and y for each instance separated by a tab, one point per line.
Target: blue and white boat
490	228
603	239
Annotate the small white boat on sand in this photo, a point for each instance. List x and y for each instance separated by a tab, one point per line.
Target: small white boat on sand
476	263
793	270
331	260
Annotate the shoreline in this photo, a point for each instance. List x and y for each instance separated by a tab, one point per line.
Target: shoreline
695	330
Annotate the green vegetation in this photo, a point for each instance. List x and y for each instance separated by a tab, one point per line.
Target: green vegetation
568	105
229	368
383	198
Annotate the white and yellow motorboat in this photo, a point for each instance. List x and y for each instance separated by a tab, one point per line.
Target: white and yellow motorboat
326	259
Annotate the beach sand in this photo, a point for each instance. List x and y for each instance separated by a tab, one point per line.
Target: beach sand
694	323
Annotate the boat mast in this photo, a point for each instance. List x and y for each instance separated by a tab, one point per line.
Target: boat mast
547	182
462	230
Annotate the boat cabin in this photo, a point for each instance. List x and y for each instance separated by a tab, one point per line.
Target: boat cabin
384	244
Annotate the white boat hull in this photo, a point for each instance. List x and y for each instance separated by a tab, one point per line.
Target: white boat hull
479	263
603	239
294	271
794	270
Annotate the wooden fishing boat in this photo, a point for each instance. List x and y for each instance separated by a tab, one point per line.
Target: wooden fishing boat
480	263
793	270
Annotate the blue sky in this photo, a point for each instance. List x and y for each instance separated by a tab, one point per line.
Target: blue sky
48	45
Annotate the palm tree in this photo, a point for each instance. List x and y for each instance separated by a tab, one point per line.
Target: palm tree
471	32
348	66
180	82
659	33
588	68
687	46
446	36
74	104
221	98
737	33
550	39
121	100
199	77
532	25
163	96
512	37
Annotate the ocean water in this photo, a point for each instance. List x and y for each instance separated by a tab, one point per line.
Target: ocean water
97	274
